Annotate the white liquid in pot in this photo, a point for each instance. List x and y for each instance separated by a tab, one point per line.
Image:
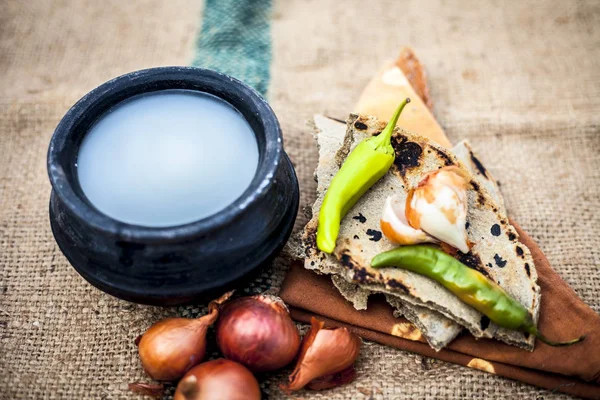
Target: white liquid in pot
167	158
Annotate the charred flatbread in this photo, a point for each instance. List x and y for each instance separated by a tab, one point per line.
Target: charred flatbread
497	253
435	328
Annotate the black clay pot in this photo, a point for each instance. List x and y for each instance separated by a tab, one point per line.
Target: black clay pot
180	264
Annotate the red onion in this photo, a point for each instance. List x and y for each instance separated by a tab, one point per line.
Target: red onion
258	332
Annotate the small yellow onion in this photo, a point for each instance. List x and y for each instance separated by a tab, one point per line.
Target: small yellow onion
258	332
438	206
218	380
169	348
326	358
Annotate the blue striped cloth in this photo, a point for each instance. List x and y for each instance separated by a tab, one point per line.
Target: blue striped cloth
236	39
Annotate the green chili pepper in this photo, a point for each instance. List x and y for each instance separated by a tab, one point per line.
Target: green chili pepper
469	285
366	164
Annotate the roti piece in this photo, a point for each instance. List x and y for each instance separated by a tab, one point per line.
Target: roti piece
435	328
496	253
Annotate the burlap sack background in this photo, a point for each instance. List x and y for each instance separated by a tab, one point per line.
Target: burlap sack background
521	81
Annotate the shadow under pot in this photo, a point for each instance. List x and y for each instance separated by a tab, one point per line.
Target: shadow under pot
170	185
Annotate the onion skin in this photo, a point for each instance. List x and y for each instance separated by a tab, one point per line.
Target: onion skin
169	348
218	380
147	389
324	352
333	380
258	332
